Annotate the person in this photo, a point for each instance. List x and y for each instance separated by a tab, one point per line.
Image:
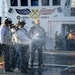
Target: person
60	41
70	40
38	34
56	40
21	39
5	40
67	44
13	51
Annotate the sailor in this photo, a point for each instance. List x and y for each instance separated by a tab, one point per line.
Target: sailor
38	35
22	46
5	40
13	57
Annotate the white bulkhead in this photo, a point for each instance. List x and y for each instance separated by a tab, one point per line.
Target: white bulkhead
54	15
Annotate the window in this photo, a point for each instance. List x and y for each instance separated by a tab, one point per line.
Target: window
73	8
73	3
67	3
56	2
24	2
34	2
13	2
72	11
45	2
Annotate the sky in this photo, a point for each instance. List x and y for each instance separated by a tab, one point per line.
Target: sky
0	7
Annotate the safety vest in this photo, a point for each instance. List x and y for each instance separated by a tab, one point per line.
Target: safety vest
70	36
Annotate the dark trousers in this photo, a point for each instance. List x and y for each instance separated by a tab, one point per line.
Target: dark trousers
0	50
17	60
39	49
6	53
24	57
12	58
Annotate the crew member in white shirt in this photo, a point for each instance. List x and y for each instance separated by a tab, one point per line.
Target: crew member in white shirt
5	40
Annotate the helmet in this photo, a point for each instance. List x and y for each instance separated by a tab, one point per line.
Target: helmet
22	22
7	20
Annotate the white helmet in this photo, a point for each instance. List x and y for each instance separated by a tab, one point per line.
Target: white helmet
7	20
22	22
